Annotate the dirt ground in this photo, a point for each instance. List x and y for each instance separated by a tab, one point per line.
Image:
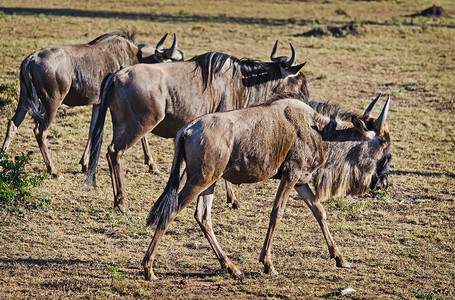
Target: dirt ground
69	243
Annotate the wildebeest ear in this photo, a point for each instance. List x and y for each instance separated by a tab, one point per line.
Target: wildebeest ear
288	71
359	124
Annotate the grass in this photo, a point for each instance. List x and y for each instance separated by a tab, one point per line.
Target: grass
400	244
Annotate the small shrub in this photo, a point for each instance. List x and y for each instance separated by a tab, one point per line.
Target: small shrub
380	193
115	271
433	295
15	183
341	12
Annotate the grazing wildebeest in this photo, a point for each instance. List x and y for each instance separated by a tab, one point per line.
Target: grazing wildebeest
341	153
73	75
163	98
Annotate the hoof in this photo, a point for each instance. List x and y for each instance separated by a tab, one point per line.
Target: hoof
123	210
84	169
155	171
236	274
149	276
342	264
270	270
56	175
237	205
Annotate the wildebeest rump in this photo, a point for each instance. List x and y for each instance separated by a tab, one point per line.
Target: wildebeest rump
73	75
163	98
341	153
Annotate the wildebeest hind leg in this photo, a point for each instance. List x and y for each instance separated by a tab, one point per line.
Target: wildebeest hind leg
203	217
321	216
188	193
286	184
41	135
114	157
111	171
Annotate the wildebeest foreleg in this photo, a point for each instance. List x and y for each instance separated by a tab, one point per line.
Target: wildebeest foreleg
13	124
231	198
203	217
188	193
286	185
86	156
321	216
148	159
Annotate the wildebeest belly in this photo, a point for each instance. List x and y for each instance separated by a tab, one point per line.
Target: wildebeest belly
169	126
238	176
82	94
255	165
77	99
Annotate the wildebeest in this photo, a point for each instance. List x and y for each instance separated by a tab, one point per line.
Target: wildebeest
341	153
73	75
163	98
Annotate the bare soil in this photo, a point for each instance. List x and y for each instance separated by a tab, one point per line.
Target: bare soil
68	243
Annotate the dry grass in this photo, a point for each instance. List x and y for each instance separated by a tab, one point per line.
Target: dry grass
400	246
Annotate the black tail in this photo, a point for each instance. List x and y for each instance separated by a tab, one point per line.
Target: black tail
28	94
167	204
97	136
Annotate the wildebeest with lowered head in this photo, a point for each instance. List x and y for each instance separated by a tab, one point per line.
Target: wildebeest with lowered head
163	98
73	75
341	153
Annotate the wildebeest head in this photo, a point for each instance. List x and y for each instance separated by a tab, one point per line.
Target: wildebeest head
379	180
257	80
148	54
357	151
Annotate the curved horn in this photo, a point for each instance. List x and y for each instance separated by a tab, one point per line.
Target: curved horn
380	121
273	55
171	52
159	46
291	61
367	113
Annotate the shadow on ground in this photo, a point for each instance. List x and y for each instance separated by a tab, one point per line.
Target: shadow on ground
168	18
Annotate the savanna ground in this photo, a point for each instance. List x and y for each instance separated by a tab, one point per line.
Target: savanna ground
69	243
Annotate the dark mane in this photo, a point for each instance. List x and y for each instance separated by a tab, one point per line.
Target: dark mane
328	109
210	64
254	71
130	36
331	110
